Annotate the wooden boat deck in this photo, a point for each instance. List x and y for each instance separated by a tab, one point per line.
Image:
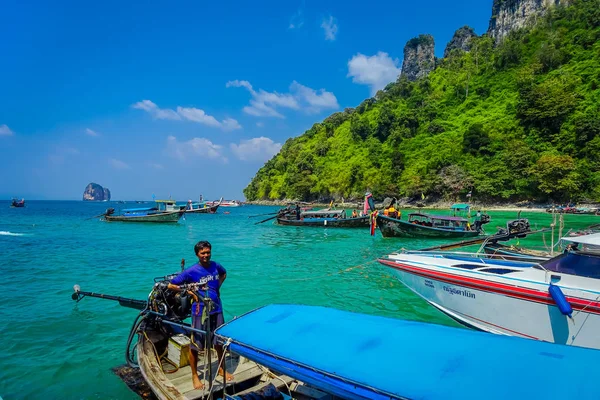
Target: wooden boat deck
169	382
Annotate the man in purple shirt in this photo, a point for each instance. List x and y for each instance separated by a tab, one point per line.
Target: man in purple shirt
210	275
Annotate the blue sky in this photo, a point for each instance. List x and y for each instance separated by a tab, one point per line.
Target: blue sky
188	97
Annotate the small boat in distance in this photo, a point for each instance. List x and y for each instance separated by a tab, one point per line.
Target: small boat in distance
225	203
16	203
201	207
428	226
164	211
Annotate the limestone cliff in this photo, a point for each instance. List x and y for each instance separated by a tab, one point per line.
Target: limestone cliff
419	57
95	192
461	40
508	15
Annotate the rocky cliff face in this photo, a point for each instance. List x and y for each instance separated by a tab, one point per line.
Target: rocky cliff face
419	57
461	40
95	192
508	15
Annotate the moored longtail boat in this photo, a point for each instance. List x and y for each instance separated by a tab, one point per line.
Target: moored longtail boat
426	225
201	207
345	355
325	217
164	211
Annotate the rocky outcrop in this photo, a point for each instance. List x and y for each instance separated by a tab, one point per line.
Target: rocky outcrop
461	40
508	15
419	57
95	192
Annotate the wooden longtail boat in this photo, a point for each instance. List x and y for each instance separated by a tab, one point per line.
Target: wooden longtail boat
426	225
321	353
325	217
201	207
164	211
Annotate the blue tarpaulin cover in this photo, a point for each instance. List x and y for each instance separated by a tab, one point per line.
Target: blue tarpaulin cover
360	356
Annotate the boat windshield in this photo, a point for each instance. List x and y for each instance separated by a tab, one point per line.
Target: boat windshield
573	263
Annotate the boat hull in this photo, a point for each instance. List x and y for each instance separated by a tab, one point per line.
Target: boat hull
171	216
204	210
391	227
527	312
359	222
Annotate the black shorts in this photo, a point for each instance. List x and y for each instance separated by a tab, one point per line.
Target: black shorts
198	339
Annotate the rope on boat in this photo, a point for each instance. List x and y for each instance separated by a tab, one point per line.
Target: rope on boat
272	375
212	383
160	358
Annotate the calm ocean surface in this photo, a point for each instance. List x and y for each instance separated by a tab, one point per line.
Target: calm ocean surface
54	348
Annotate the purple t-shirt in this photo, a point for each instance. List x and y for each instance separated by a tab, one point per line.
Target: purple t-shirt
208	276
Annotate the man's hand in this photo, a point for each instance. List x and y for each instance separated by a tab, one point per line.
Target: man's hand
164	285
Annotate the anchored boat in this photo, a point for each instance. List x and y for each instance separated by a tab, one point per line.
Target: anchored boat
201	207
556	300
16	203
324	217
309	352
427	225
164	211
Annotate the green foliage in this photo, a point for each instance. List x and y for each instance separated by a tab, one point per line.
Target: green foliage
513	121
476	140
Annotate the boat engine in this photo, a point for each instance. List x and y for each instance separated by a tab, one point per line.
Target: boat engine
516	226
173	305
109	211
485	219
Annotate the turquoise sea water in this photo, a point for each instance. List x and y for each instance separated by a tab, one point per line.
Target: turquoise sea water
54	348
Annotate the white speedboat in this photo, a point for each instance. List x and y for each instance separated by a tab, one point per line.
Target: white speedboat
555	300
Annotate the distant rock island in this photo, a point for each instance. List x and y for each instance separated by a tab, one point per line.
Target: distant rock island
95	192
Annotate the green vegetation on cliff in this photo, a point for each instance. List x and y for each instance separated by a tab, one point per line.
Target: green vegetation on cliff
520	120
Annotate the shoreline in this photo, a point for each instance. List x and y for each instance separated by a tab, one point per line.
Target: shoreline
433	206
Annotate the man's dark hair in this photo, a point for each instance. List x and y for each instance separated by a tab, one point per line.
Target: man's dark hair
203	244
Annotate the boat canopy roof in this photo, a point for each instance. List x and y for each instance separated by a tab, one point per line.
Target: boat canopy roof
357	356
592	239
460	206
166	201
322	213
575	263
441	217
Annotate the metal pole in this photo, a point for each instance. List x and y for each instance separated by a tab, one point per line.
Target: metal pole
208	346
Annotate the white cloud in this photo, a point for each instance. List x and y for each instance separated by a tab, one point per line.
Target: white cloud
230	124
264	104
256	149
187	113
260	124
156	112
118	164
297	19
330	27
316	100
376	71
90	132
193	148
5	131
197	115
